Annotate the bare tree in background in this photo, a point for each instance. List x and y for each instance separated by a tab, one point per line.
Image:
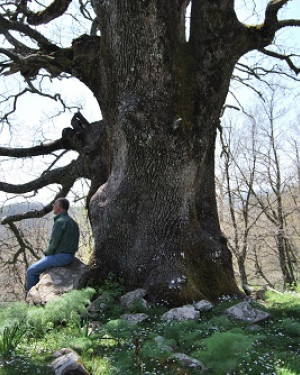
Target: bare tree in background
150	161
238	167
259	173
19	247
275	187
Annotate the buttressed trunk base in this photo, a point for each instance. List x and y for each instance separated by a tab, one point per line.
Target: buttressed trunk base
155	220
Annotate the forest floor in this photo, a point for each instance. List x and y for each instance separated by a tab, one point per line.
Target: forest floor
30	334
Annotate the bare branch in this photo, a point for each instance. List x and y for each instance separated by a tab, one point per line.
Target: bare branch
286	58
19	47
22	243
288	23
30	65
42	149
56	9
14	105
63	192
42	41
60	175
260	36
272	10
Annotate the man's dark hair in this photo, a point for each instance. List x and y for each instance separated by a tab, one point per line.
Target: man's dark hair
65	204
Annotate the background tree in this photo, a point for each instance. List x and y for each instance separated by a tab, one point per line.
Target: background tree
274	183
260	200
150	161
236	179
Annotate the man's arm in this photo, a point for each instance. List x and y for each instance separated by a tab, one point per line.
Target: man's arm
56	236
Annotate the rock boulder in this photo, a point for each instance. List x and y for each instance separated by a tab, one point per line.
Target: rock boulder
128	300
245	312
56	281
68	362
187	312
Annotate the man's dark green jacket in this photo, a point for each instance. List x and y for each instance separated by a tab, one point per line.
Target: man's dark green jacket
65	235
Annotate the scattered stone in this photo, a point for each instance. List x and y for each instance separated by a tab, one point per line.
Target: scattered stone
68	364
56	281
225	298
135	318
98	306
95	325
128	300
245	312
203	305
187	312
186	361
61	352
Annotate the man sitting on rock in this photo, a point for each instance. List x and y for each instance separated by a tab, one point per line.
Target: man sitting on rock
63	243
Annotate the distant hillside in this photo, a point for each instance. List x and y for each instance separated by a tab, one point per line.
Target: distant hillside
18	208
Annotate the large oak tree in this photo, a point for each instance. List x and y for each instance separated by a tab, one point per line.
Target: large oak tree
150	160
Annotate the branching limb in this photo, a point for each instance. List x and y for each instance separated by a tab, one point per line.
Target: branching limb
84	9
40	39
271	13
56	9
42	149
260	36
259	72
63	192
19	47
14	104
22	243
60	175
55	161
30	65
248	85
286	58
34	90
288	23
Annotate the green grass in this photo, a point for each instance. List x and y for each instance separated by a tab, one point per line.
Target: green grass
118	347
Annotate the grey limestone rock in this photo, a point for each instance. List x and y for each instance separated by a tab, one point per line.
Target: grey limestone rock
135	318
186	361
56	281
69	363
203	305
245	312
187	312
128	300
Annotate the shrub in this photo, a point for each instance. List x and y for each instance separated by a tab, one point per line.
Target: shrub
285	371
111	286
9	340
65	310
118	329
291	327
186	334
12	313
283	304
224	350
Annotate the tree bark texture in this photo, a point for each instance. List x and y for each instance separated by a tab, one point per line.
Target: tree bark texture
155	220
151	159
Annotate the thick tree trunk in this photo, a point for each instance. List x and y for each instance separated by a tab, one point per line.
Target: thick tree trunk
155	221
155	224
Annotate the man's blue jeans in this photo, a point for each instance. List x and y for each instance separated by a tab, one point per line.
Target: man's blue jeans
50	261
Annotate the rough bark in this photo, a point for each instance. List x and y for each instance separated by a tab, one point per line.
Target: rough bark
155	221
151	159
